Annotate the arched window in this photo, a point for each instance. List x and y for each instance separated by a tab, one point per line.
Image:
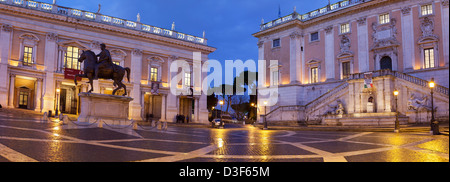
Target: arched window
386	63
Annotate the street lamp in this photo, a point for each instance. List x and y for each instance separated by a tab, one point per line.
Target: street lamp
221	112
265	114
57	101
397	123
434	124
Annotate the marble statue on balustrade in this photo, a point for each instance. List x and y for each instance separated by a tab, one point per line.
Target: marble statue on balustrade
102	68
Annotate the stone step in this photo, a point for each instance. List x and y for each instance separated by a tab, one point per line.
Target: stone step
364	121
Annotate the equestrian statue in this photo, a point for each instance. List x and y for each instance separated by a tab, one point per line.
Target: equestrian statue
103	67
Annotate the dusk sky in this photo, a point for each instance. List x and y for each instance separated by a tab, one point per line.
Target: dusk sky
229	24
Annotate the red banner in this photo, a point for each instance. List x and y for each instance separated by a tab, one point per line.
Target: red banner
70	74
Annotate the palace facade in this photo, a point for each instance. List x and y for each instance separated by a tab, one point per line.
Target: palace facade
40	42
340	64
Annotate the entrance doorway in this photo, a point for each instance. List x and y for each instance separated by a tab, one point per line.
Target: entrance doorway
186	108
386	63
68	100
24	94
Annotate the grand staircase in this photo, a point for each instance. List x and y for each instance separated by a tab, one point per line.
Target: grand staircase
314	111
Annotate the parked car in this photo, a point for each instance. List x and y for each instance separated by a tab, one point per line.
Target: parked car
216	123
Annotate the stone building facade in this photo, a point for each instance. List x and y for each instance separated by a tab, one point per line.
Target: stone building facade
39	41
324	55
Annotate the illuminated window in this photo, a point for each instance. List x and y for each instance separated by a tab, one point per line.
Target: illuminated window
427	9
154	74
27	55
345	70
275	79
71	58
345	28
314	75
187	79
384	18
116	63
429	58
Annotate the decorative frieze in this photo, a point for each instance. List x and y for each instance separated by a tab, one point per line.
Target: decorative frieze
137	52
445	3
362	21
52	36
329	29
406	10
7	28
295	35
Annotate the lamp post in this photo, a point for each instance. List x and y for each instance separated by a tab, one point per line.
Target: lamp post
434	124
221	112
397	123
57	101
265	114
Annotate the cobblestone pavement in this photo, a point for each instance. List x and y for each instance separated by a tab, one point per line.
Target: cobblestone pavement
28	139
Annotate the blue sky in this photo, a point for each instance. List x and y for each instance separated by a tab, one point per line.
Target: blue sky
229	24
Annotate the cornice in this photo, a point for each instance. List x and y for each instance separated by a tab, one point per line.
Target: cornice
82	23
324	18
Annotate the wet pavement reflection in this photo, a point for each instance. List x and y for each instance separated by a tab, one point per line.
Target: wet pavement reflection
32	140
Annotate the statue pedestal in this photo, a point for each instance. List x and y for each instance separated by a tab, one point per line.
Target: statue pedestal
102	108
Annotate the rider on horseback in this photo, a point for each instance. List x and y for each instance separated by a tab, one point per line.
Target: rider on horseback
104	61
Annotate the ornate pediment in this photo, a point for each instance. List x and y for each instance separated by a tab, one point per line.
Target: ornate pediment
427	27
75	43
384	36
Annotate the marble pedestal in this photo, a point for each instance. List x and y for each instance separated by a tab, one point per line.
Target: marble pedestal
102	108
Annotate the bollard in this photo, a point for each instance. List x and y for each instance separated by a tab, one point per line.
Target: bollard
134	124
165	125
159	125
45	117
100	124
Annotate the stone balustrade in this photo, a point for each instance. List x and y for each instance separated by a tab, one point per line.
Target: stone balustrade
312	14
99	18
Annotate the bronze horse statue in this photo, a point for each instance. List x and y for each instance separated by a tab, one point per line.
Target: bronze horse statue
117	74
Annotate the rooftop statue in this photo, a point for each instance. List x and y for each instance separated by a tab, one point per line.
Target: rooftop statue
102	68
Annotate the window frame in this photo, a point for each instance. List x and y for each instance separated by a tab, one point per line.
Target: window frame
431	62
348	29
383	17
431	8
279	43
318	36
28	58
314	76
66	57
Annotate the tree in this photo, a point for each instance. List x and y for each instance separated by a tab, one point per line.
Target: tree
211	101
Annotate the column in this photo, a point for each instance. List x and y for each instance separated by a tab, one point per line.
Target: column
261	50
163	108
50	56
5	44
38	95
329	53
295	67
351	98
380	95
408	39
388	94
136	69
363	45
197	109
11	90
445	29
